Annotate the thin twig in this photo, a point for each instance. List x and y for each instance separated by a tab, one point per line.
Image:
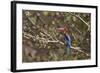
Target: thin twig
81	19
78	49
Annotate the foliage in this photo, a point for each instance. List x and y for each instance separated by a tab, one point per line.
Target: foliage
42	41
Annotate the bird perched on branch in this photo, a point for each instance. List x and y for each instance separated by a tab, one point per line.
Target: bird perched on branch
67	38
68	41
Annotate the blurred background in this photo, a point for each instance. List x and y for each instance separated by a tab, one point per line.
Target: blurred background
43	42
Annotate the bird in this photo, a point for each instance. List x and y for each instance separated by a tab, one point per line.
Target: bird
67	38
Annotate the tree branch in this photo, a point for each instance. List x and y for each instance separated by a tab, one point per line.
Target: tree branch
81	20
78	49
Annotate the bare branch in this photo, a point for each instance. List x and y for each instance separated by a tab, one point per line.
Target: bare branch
79	50
81	20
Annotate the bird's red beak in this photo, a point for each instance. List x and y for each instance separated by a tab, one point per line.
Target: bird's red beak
61	29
